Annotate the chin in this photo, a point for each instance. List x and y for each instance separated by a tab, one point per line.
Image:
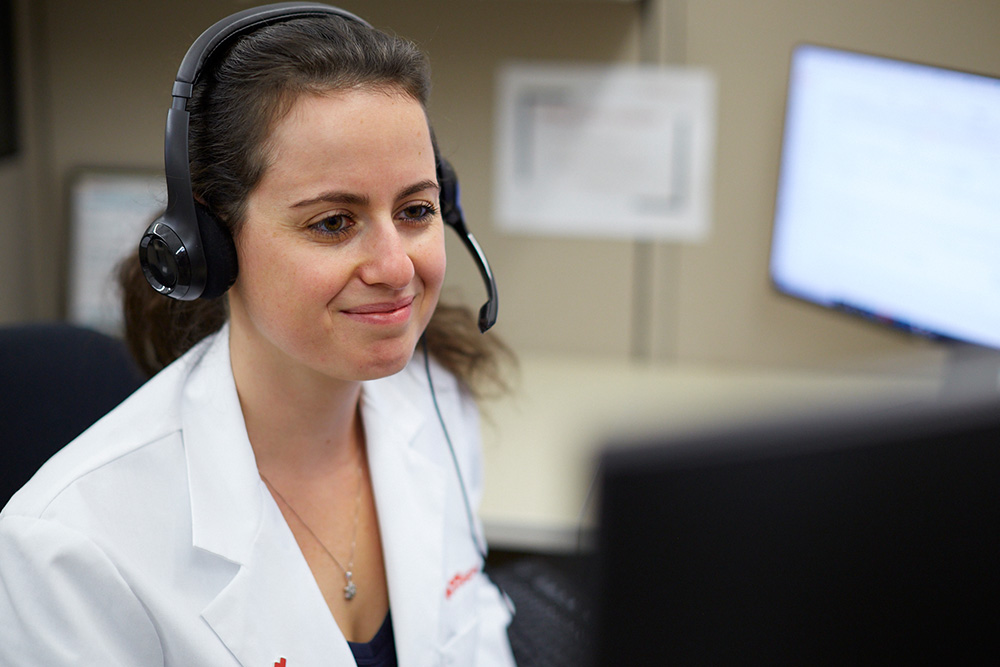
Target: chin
379	371
383	363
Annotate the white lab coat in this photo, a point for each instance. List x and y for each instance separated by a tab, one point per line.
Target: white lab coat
151	540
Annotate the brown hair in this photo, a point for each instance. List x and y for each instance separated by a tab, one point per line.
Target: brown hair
237	101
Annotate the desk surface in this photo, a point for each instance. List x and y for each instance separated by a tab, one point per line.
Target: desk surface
540	443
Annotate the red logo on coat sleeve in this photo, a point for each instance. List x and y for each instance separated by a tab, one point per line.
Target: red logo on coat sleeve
459	580
280	663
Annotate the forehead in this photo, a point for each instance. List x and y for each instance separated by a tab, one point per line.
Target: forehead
341	138
357	114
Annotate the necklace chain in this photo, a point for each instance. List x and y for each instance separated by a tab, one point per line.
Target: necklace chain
350	590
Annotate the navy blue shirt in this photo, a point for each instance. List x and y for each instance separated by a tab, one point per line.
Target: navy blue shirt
380	651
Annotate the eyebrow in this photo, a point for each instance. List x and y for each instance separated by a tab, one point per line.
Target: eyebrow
351	199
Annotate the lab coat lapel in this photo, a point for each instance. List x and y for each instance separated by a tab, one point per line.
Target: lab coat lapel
271	609
410	499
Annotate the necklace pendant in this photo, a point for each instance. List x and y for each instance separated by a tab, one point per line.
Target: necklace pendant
350	589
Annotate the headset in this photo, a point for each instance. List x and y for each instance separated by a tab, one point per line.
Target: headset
187	253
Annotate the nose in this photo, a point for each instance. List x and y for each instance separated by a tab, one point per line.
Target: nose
386	258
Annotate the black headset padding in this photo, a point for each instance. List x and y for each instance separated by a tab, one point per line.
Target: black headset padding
220	254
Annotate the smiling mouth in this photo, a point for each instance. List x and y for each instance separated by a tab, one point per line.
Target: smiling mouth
389	312
380	308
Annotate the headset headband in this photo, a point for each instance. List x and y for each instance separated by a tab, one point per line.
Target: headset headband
245	21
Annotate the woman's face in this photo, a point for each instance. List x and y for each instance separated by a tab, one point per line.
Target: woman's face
341	253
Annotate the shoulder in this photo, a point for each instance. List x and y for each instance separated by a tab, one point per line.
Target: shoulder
133	436
62	590
122	490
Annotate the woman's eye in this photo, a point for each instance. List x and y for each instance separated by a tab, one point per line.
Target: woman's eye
333	225
418	212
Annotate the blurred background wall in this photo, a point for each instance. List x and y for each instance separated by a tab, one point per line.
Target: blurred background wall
93	85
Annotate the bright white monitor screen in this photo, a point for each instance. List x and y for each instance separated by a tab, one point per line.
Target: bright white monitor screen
888	202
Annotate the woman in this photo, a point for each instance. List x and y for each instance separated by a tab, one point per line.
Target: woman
283	491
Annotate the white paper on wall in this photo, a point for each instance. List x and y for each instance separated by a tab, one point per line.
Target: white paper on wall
109	212
605	151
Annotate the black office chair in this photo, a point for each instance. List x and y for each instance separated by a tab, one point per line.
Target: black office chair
56	379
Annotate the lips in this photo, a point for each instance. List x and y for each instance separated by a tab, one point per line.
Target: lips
376	308
383	312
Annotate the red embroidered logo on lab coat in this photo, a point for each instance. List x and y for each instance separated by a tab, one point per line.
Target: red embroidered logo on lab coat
458	581
280	663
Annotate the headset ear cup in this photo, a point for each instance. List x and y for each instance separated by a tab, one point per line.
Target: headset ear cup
220	254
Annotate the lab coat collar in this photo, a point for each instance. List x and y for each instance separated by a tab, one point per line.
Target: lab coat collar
235	518
224	482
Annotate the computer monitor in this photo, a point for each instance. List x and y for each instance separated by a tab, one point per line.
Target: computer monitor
857	537
888	200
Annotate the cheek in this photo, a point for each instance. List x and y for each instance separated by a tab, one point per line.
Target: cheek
431	265
260	274
279	280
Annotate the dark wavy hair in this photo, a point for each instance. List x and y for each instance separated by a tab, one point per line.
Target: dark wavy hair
239	98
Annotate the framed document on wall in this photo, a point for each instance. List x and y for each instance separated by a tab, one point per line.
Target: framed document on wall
109	209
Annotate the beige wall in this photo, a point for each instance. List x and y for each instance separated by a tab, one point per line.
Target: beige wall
101	88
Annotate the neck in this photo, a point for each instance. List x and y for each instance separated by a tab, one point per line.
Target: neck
302	423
